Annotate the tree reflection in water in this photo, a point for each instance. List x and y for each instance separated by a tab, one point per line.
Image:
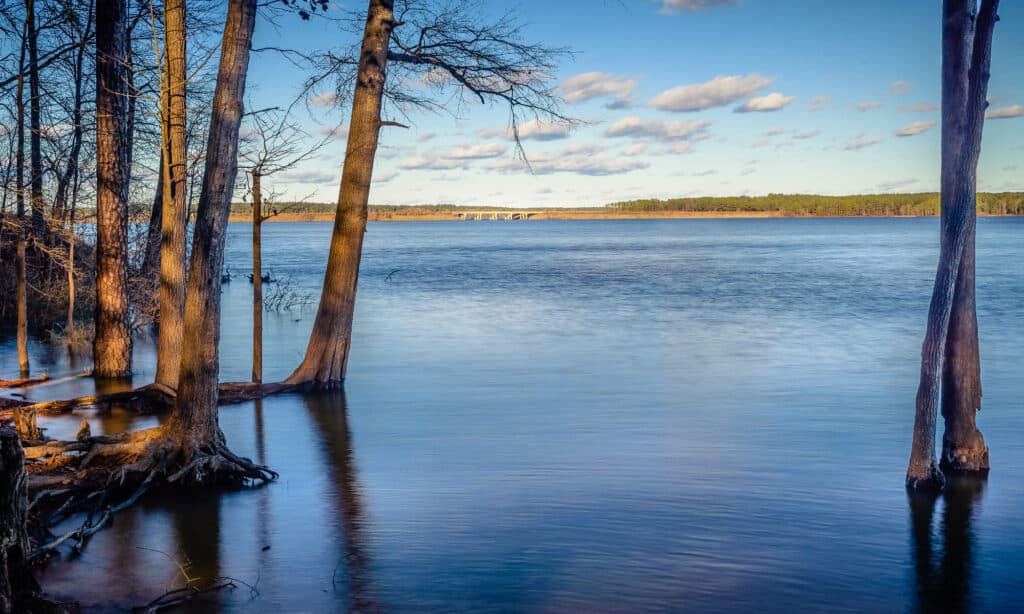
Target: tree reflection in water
942	559
329	410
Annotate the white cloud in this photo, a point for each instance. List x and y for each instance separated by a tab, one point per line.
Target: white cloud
590	85
899	87
384	177
866	106
861	142
807	134
535	129
706	173
309	176
818	103
327	99
689	6
339	132
1005	112
921	107
566	161
720	91
635	149
477	152
431	163
915	128
772	102
665	130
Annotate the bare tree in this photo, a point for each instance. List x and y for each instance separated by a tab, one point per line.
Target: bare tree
21	281
112	347
949	357
451	42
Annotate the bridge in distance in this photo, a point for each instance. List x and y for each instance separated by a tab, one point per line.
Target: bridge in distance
496	215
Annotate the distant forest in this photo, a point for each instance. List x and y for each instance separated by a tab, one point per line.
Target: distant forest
925	203
921	204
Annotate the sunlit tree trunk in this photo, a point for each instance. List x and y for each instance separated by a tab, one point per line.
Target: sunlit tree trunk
327	352
35	145
20	282
257	279
966	57
174	207
194	421
112	347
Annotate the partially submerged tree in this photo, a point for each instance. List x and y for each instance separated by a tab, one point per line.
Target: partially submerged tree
457	48
950	363
112	347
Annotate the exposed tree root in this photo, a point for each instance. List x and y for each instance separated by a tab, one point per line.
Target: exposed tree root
102	476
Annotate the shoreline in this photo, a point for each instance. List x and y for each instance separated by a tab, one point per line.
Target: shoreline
452	216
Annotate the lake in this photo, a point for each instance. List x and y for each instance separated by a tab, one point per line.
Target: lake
613	416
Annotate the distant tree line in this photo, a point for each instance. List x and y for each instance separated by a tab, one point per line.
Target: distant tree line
924	203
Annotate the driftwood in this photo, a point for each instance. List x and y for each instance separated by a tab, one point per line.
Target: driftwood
23	382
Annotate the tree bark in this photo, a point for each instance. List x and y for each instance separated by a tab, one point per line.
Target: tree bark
19	253
35	145
174	207
16	581
112	347
154	231
326	358
967	46
194	421
257	278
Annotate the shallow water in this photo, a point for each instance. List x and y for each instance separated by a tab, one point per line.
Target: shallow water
700	415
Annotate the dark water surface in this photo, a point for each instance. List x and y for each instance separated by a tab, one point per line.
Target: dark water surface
615	416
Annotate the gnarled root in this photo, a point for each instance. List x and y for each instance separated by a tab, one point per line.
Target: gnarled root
101	476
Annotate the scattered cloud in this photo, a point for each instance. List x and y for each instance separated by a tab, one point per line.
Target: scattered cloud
779	131
689	6
888	186
569	161
921	107
718	92
338	132
866	106
747	171
772	102
819	103
327	99
384	177
663	130
535	129
1006	112
477	152
706	173
861	142
425	163
309	176
590	85
807	134
635	149
915	128
899	87
427	136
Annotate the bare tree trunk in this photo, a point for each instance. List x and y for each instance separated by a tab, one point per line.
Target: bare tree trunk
35	146
326	356
194	421
175	207
154	231
19	254
967	52
257	278
112	347
16	581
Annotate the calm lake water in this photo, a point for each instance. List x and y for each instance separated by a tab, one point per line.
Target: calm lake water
613	416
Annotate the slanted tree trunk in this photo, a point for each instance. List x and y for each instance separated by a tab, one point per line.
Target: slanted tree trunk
35	145
966	57
154	232
16	581
327	352
174	206
194	421
112	347
257	278
21	288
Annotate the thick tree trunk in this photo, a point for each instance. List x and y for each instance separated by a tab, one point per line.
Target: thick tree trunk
967	50
175	208
112	347
257	278
194	421
326	356
16	582
35	145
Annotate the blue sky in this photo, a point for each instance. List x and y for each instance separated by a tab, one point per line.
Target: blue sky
838	98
